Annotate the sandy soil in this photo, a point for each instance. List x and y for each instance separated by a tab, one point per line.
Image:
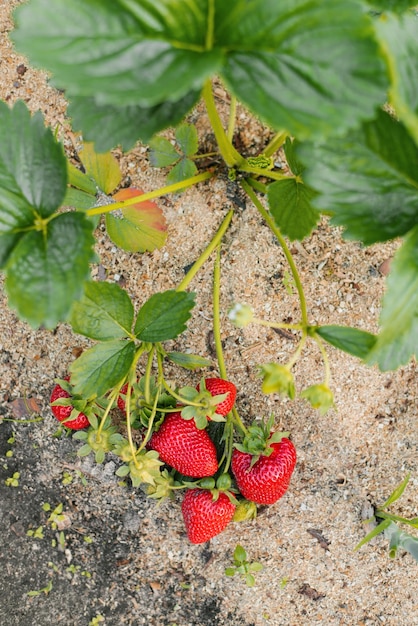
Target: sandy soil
128	560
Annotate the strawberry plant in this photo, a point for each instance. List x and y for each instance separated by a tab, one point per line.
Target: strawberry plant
333	82
389	524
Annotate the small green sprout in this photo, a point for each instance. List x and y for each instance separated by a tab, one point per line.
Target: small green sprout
386	523
243	567
13	481
36	534
44	590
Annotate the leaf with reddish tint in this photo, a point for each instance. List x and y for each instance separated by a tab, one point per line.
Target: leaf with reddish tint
141	227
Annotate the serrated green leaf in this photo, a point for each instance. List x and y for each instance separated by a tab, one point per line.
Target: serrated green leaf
184	169
188	361
307	66
102	367
80	180
162	152
109	125
140	227
186	136
33	170
45	273
104	312
164	316
396	493
352	340
103	168
367	180
398	36
397	340
120	53
290	205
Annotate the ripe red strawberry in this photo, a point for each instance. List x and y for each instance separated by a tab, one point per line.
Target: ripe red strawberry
205	517
121	400
218	387
63	412
183	446
268	478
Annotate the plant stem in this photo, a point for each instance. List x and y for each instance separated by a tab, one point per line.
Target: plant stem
276	143
206	253
231	121
256	320
276	231
229	154
260	171
184	184
325	359
217	314
211	25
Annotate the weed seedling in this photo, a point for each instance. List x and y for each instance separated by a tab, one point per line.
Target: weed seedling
243	567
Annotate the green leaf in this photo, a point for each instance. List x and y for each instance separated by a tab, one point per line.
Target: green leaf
141	227
240	555
398	337
398	37
290	205
162	152
45	272
102	367
102	168
80	180
33	170
410	544
373	533
110	124
184	169
164	316
104	312
186	136
397	6
78	199
188	361
307	66
230	571
352	340
122	53
396	493
367	180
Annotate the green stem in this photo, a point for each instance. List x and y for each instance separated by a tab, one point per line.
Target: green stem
276	143
23	421
325	359
260	171
128	425
230	155
255	184
150	422
217	314
232	117
211	25
207	252
275	230
256	320
297	352
184	184
147	389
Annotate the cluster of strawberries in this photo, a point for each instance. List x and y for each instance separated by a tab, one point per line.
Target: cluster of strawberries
261	465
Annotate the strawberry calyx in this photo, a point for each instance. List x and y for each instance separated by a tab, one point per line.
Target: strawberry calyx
259	439
204	406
